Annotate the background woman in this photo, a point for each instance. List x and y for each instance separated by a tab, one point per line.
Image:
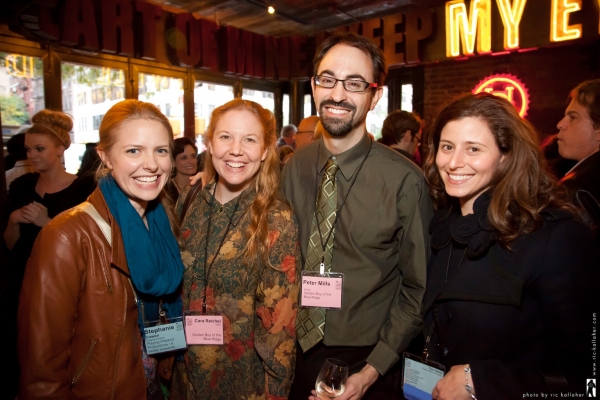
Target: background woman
79	327
512	277
185	155
35	198
241	259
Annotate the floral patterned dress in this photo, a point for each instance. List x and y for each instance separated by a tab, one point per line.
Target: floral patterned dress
258	303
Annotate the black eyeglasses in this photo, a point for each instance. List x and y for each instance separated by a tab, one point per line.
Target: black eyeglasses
351	85
418	138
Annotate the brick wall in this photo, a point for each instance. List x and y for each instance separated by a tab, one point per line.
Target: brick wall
549	74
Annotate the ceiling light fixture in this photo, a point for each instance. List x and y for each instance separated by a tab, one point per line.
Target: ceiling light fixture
280	13
271	10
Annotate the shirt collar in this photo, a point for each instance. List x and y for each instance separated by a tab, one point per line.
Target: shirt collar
577	165
230	208
349	160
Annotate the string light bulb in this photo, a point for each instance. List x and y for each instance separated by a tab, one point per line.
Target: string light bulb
271	10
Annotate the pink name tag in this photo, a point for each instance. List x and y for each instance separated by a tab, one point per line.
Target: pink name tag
321	291
203	329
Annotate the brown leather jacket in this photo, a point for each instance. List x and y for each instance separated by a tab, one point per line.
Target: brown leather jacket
78	329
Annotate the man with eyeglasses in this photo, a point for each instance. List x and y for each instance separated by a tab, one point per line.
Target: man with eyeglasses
376	236
401	131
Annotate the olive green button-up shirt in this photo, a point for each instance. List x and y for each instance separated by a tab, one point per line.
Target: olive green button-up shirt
381	243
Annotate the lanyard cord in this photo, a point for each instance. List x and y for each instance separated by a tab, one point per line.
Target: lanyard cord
339	210
210	214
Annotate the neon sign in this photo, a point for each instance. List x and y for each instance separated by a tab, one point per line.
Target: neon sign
511	17
22	69
465	27
506	86
561	30
460	28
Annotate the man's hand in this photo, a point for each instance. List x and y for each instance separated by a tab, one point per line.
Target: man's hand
452	385
357	384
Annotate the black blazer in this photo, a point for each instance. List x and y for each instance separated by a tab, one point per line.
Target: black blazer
522	318
586	177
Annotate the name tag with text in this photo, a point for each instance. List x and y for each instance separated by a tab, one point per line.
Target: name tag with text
165	337
323	291
203	329
419	377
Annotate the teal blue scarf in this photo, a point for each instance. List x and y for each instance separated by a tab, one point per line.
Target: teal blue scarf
152	253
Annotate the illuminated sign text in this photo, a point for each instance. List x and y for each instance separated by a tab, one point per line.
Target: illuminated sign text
506	86
561	30
469	26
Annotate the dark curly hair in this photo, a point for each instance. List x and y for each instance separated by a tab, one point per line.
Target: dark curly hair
359	42
521	187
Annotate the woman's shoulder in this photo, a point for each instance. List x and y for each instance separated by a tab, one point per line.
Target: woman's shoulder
281	216
28	180
72	219
561	230
560	220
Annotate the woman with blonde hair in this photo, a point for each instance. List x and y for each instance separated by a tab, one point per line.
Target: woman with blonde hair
41	195
100	271
511	279
241	258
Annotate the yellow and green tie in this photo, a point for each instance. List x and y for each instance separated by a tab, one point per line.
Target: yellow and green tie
310	322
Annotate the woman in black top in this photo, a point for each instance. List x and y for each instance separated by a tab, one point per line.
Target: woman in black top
35	198
513	277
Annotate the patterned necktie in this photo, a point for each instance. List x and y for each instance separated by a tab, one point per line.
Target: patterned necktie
310	322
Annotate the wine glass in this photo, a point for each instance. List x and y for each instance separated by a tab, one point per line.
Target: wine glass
332	379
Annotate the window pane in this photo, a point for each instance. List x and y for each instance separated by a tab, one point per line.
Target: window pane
167	94
21	91
265	99
307	105
286	109
376	117
87	94
407	97
208	96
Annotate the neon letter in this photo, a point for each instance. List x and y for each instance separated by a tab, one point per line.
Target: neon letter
511	17
561	30
467	26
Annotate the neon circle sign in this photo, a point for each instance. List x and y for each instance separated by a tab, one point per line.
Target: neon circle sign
506	86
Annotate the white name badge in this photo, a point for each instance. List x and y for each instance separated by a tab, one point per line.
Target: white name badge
420	377
203	329
322	290
165	337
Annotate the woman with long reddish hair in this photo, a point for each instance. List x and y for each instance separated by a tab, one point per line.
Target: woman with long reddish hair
511	279
241	258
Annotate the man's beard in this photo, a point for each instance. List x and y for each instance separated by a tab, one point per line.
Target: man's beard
337	126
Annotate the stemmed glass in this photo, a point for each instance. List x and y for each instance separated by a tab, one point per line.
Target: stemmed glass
332	379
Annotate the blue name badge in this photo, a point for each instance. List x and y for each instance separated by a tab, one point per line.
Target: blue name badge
420	377
165	337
